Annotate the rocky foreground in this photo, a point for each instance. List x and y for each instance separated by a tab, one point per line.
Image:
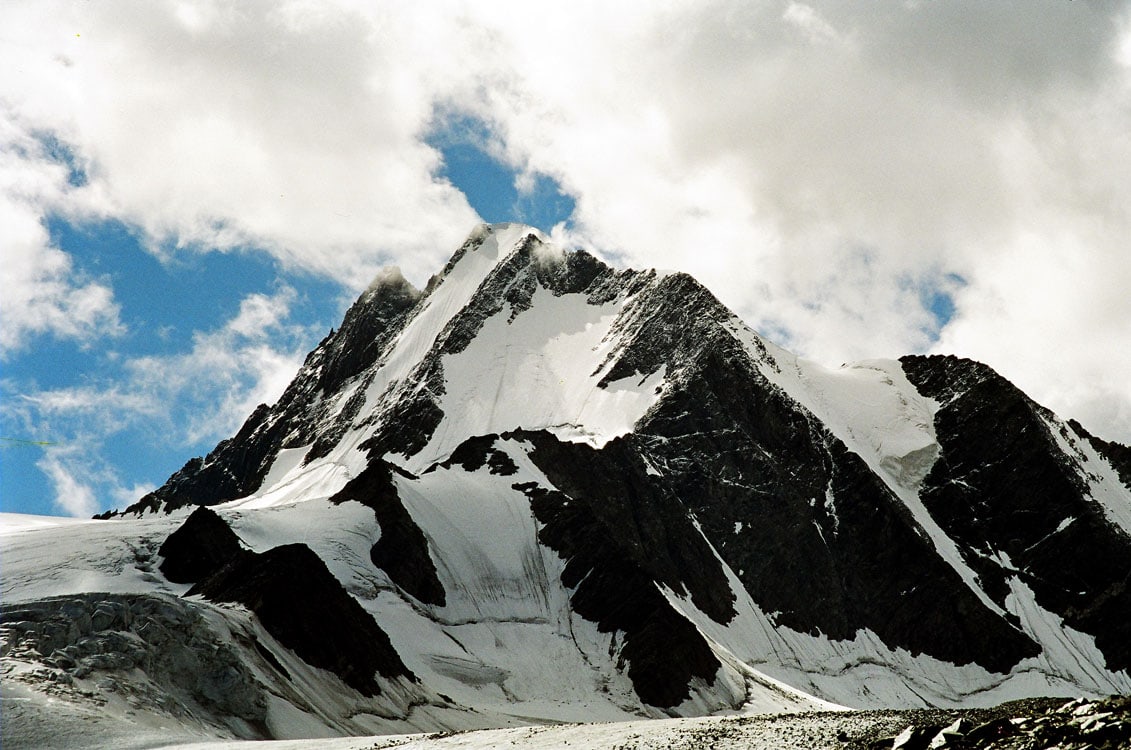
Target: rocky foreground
1032	724
50	671
1020	725
1043	723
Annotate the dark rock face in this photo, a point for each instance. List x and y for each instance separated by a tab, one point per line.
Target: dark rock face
1118	455
292	593
476	452
511	284
664	325
402	550
621	533
613	588
368	326
663	651
306	609
631	511
200	547
1002	484
821	542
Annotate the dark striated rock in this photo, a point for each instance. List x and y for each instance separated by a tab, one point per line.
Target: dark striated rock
513	282
622	533
662	650
631	509
664	325
368	326
203	544
821	541
306	609
402	550
1003	484
411	421
476	452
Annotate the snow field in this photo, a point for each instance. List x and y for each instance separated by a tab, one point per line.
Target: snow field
540	371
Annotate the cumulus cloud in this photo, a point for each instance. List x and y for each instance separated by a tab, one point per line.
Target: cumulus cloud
180	400
202	394
287	126
827	170
43	293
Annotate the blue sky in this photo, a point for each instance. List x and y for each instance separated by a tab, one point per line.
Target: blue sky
162	306
168	299
192	192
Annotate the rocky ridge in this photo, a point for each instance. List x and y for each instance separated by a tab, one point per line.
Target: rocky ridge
828	542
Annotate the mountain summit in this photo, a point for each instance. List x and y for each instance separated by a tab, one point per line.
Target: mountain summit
545	489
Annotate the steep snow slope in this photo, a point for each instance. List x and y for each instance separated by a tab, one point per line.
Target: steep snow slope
512	334
541	370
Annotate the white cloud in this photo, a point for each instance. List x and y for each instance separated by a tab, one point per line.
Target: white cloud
72	495
822	189
206	393
820	166
807	20
184	401
292	127
43	294
212	387
83	483
259	313
103	405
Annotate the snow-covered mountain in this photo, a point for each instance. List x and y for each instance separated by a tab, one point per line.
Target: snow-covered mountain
542	489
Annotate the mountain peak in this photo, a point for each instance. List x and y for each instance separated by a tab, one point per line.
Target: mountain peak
391	277
487	245
544	449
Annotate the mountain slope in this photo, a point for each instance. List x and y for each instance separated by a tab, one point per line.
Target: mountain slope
563	491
